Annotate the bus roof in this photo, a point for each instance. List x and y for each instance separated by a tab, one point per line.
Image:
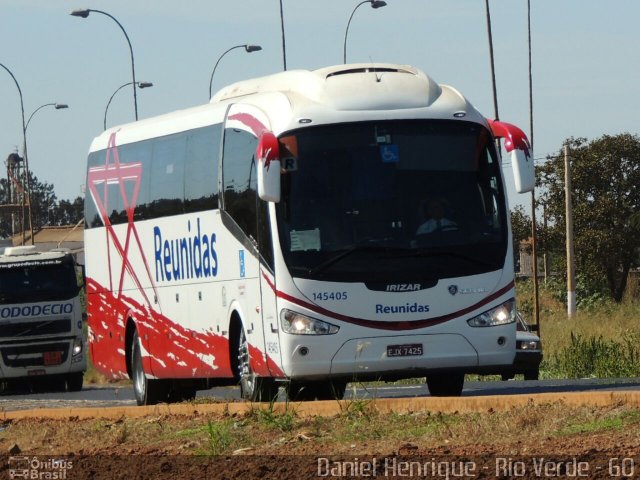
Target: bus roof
341	93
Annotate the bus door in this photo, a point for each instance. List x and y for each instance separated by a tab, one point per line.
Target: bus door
246	217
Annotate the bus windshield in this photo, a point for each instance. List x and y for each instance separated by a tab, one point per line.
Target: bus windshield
404	200
35	281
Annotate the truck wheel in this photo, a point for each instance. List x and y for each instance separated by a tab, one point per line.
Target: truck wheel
74	381
445	385
147	391
252	387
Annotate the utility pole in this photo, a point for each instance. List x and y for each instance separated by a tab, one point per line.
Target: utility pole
571	283
534	234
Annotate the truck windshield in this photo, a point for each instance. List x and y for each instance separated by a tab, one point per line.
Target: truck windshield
37	281
415	200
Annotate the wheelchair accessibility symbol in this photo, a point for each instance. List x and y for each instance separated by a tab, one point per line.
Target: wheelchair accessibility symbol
389	153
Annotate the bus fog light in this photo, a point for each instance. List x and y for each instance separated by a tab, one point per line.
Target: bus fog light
298	324
501	315
529	345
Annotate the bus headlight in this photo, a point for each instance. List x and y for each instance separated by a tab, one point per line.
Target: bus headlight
501	315
77	346
298	324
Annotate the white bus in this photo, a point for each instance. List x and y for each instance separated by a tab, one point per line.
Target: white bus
279	235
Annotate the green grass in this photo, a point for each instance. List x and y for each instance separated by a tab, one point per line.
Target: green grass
599	342
613	421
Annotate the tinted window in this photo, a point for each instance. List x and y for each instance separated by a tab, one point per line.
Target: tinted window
239	177
360	202
167	176
159	177
201	170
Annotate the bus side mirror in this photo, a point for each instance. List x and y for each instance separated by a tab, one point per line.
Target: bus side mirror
268	167
517	143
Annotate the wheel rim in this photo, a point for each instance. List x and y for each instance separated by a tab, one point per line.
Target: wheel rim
246	376
139	378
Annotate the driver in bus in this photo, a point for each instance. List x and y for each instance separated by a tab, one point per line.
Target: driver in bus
434	210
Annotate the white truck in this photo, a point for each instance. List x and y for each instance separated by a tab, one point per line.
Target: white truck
41	321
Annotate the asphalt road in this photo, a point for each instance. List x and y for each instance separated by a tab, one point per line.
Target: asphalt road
108	395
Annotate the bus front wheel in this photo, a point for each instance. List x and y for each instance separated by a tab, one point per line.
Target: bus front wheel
74	381
147	391
252	387
445	385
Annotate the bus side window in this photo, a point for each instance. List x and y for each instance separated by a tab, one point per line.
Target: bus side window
167	176
201	169
239	179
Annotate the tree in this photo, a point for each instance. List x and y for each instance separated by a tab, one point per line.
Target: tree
605	176
520	225
67	212
520	230
43	199
45	208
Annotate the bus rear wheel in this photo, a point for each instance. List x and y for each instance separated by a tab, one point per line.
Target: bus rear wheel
445	385
252	387
147	391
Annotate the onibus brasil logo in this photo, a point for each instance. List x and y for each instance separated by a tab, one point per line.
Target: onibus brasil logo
36	468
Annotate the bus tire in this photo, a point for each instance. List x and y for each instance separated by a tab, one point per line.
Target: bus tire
445	385
147	391
74	381
252	387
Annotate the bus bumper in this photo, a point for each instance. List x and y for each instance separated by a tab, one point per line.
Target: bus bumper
401	356
42	358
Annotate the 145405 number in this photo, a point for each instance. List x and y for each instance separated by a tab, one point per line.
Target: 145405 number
322	296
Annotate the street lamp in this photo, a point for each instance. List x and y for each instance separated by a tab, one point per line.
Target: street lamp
248	48
139	85
57	106
84	13
374	4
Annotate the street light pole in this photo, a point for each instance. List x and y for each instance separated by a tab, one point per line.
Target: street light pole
493	69
248	48
57	106
534	233
374	4
26	161
84	13
284	49
140	85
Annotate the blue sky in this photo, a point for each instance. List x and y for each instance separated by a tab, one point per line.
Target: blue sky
586	70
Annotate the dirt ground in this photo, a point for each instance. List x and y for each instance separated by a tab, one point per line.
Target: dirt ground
537	441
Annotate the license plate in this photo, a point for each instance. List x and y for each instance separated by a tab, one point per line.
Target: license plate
52	358
408	350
